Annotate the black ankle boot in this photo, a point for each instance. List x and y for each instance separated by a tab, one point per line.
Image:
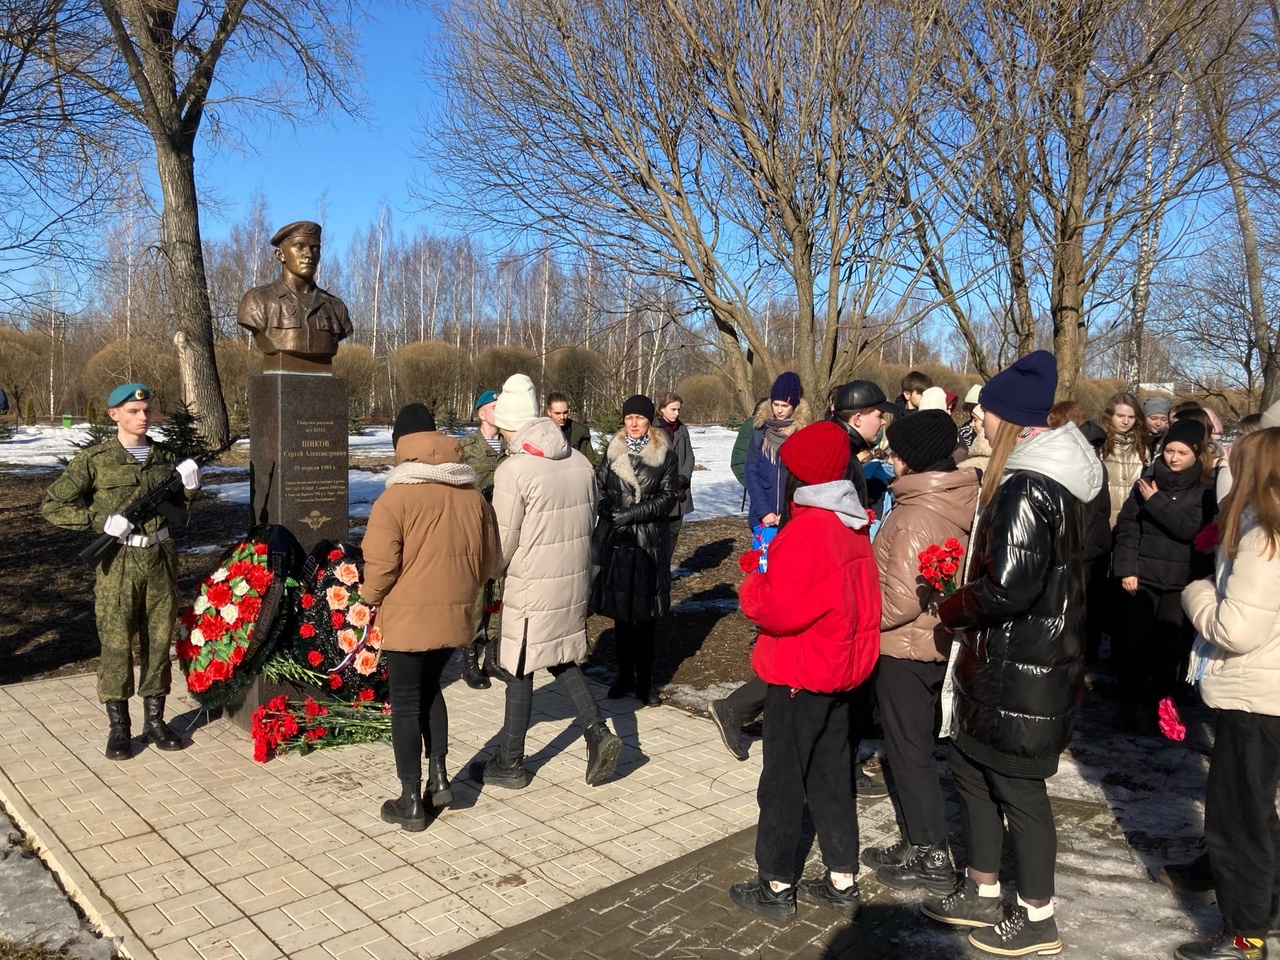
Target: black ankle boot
438	782
472	668
408	811
119	737
603	747
505	773
154	730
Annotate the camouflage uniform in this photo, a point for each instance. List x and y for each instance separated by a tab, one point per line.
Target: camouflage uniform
478	455
136	588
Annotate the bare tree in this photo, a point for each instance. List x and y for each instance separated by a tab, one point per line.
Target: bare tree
1236	61
164	71
720	148
1085	154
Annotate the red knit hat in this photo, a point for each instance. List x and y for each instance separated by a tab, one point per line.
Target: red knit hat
817	454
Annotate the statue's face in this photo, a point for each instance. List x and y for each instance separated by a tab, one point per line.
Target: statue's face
300	256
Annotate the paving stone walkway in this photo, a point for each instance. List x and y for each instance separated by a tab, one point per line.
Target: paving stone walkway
206	855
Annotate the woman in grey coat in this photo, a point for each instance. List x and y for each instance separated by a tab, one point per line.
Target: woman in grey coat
678	435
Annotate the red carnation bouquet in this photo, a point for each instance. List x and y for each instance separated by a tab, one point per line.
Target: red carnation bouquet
940	565
281	725
335	636
221	633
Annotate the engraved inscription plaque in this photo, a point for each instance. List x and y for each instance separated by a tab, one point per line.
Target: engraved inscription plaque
298	453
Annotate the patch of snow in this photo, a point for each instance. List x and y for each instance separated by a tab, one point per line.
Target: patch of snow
716	491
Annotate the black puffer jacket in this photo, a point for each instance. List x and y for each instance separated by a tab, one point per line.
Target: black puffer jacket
632	579
1097	534
1019	674
1154	538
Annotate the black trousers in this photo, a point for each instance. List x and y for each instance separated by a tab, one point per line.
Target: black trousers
519	707
806	760
1155	645
1241	829
634	642
986	799
908	691
419	718
748	700
1100	590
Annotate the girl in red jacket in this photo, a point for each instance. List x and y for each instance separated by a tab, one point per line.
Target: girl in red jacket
818	610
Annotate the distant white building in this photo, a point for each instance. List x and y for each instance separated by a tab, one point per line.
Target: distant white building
1157	387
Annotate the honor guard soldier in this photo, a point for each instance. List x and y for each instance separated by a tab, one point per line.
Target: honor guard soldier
136	587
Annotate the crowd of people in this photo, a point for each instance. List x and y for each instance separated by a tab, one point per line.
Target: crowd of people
963	581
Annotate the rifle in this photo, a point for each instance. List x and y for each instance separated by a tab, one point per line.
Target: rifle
156	500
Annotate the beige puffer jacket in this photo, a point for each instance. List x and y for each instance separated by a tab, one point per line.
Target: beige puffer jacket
430	545
544	495
1241	618
928	508
1124	467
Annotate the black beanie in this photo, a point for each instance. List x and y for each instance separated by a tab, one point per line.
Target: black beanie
638	404
1022	393
1186	431
413	418
923	438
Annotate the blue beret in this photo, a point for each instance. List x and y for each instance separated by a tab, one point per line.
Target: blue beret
487	397
128	391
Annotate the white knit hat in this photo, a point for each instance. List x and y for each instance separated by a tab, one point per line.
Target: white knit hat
935	398
1271	416
517	404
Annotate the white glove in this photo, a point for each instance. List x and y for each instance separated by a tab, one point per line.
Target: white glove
189	470
116	525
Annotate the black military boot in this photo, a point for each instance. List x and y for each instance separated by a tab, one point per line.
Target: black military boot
154	729
438	783
928	868
894	856
603	747
408	811
472	669
120	736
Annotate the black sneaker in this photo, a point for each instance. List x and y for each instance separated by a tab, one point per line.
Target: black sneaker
964	908
1223	947
729	723
821	891
603	748
867	787
758	897
1193	877
1017	936
894	856
928	868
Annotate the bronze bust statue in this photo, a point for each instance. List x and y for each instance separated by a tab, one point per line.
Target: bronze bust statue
295	324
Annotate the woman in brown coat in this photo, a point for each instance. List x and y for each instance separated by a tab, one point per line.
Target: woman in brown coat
932	502
431	543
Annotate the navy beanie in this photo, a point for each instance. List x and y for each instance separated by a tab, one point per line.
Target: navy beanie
1022	393
786	387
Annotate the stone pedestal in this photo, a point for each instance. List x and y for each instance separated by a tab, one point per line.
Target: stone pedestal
240	710
298	455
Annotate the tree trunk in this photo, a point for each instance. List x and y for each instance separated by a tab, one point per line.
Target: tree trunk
1066	296
189	288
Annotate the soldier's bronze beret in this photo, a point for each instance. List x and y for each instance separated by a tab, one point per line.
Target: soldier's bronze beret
299	228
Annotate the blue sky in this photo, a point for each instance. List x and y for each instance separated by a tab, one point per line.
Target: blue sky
351	166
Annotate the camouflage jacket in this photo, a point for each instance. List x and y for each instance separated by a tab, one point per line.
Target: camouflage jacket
477	454
104	479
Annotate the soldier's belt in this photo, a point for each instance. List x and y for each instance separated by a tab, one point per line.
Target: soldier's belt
142	540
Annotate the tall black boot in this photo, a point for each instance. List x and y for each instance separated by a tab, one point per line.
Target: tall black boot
154	729
438	782
472	666
120	737
408	811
